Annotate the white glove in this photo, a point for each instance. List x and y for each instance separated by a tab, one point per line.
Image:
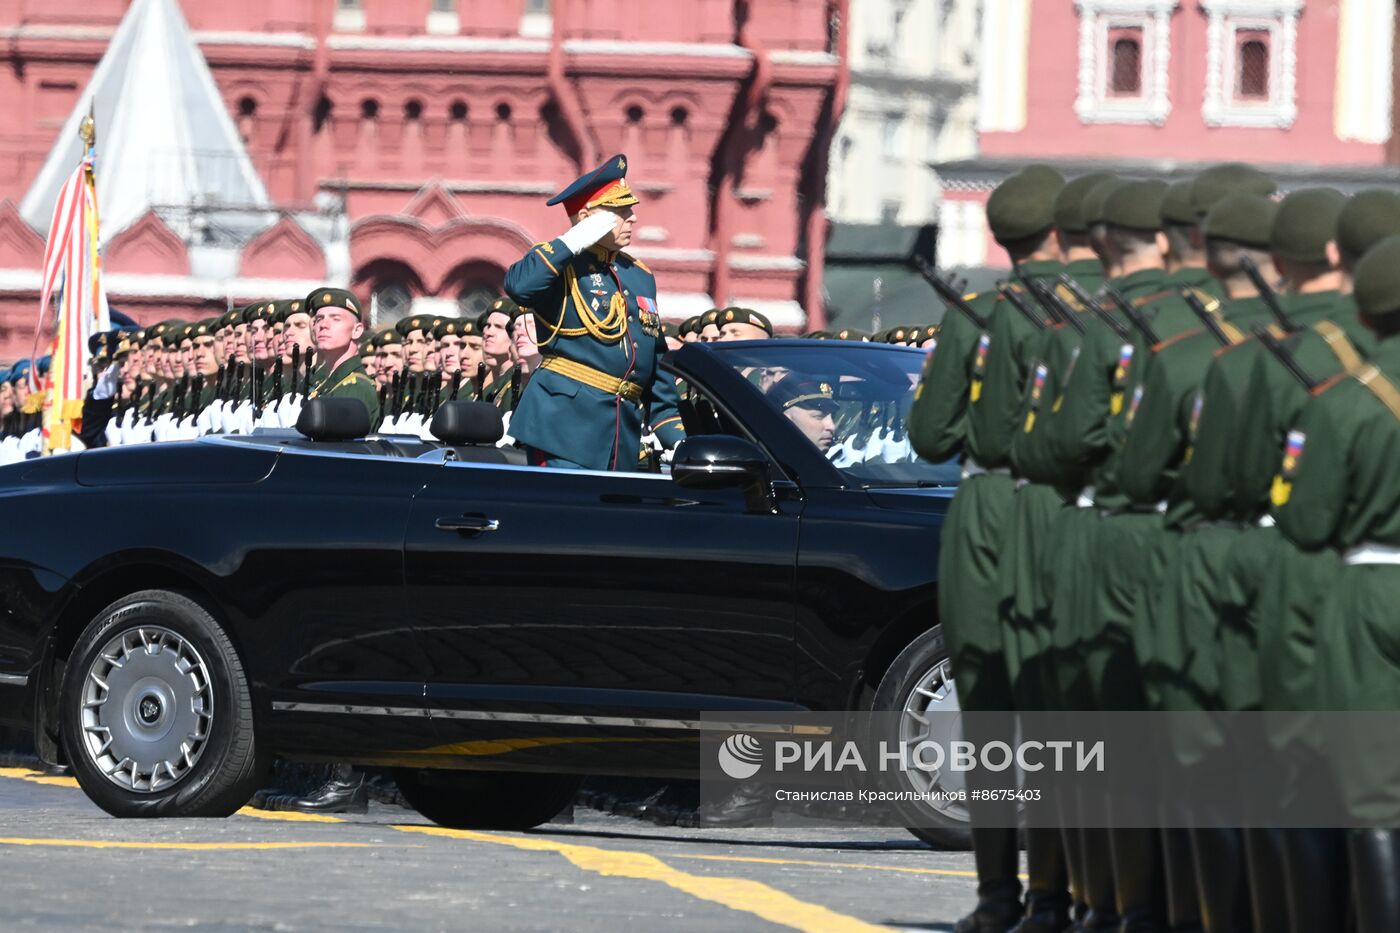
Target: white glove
588	231
106	386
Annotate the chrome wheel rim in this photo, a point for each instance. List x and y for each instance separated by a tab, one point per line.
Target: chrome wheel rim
148	707
934	693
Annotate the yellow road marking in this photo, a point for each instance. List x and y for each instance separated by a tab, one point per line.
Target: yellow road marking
796	861
188	846
37	777
740	894
290	816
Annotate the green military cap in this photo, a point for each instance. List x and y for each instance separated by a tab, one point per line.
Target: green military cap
1247	219
670	330
708	318
386	337
262	311
850	333
744	316
447	326
1376	282
817	335
1305	223
804	393
1136	205
690	325
334	298
138	337
286	308
1369	217
1097	196
176	332
1024	204
1069	203
914	334
1231	177
230	318
1177	206
502	305
897	334
468	327
156	332
407	325
204	328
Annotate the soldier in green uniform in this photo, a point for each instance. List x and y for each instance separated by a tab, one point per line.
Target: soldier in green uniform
337	323
1185	255
1203	626
946	421
456	384
1338	494
708	326
1282	586
690	330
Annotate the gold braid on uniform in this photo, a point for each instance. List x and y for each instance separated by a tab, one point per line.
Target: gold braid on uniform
608	330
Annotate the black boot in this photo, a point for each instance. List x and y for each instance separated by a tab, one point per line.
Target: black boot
1375	874
1179	874
1098	881
996	854
1137	880
1222	880
748	804
1315	869
1268	882
344	792
1047	893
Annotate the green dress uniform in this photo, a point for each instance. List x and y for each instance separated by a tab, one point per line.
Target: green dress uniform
348	380
1337	490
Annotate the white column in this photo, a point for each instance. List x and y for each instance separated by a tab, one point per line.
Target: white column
1004	51
1365	79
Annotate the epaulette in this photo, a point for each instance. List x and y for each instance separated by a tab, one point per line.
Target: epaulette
1208	301
1067	295
638	263
548	246
351	380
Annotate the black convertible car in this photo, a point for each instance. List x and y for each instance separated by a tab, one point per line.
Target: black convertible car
173	615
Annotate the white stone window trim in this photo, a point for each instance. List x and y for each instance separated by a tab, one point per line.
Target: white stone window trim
1096	19
1279	18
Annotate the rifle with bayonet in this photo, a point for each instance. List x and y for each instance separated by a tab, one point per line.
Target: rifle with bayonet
1087	301
1133	315
1010	295
1051	302
1284	356
1208	320
1267	294
951	296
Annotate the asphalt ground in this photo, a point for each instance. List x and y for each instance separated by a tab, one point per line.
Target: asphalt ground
64	864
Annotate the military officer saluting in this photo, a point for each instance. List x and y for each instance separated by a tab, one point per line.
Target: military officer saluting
599	334
337	323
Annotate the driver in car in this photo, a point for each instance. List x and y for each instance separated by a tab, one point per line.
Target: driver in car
810	406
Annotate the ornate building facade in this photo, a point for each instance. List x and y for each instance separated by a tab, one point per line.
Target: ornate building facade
1156	88
407	147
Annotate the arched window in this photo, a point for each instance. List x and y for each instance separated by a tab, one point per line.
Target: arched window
413	110
503	111
1125	75
458	110
679	115
389	301
1252	68
369	108
635	114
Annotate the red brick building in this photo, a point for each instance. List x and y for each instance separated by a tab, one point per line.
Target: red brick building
1157	88
407	146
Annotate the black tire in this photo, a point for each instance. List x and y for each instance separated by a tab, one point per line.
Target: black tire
226	770
486	799
919	658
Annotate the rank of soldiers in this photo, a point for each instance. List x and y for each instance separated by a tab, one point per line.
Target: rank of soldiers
1175	423
254	366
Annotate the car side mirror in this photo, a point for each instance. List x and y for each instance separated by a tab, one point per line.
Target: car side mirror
723	461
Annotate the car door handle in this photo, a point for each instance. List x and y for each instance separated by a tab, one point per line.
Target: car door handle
466	524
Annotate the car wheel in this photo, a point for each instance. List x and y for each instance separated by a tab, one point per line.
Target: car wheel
157	717
486	799
920	681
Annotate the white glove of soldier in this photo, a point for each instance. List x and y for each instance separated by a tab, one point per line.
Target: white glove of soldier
106	386
588	231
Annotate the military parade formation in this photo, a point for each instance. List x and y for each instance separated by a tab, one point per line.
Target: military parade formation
1175	423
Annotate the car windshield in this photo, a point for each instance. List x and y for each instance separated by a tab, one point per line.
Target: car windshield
851	400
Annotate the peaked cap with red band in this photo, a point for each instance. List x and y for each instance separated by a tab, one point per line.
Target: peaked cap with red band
605	186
